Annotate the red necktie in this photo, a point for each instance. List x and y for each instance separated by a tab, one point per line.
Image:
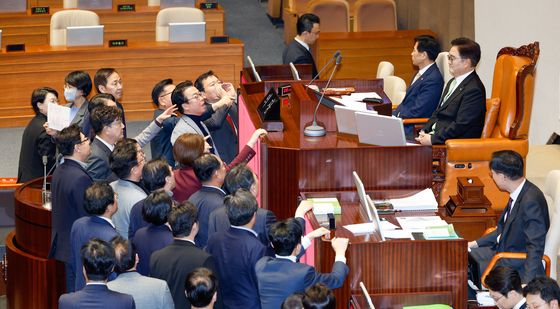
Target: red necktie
230	121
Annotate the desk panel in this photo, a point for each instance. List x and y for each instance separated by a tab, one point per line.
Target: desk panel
139	26
437	268
362	51
58	3
140	65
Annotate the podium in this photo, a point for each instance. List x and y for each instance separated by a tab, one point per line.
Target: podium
34	281
288	162
396	272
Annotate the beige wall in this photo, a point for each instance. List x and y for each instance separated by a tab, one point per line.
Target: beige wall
500	23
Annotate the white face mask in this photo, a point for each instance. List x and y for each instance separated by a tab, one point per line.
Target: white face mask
70	94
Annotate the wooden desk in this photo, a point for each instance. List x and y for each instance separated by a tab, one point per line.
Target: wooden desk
58	3
141	65
139	26
393	269
289	162
362	51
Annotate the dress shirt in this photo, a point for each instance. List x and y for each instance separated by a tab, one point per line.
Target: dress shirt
108	220
459	80
208	186
520	303
111	147
421	72
302	43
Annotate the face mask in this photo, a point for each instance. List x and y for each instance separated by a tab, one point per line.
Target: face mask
70	94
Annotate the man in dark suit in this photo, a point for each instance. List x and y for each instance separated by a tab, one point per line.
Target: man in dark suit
156	235
107	124
69	182
108	80
462	107
307	33
242	177
160	145
422	96
98	258
236	252
223	125
282	276
201	288
504	285
174	262
100	203
524	221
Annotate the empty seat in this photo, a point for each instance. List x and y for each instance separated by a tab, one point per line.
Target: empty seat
443	65
334	14
69	18
175	15
395	88
384	69
375	15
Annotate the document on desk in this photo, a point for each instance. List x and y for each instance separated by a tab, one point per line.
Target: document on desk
419	224
351	103
423	200
369	227
323	206
58	116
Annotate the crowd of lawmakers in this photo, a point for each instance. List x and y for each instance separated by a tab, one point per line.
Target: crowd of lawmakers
184	229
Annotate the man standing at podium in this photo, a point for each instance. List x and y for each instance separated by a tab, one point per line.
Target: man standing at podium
523	224
307	33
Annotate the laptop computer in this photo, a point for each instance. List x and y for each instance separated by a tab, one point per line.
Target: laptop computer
84	35
367	204
176	3
346	119
380	130
187	32
11	6
95	4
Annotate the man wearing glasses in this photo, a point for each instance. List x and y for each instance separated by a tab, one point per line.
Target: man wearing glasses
462	107
504	285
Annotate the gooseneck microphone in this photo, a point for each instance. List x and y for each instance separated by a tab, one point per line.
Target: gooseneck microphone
315	129
44	191
335	56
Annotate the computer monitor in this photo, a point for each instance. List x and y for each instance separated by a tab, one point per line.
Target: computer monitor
187	32
176	3
346	119
84	35
13	6
95	4
367	205
380	130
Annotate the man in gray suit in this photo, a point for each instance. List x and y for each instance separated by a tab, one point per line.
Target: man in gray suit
282	276
127	161
148	293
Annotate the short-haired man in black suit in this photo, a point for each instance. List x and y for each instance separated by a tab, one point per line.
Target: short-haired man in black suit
505	288
297	52
69	183
98	258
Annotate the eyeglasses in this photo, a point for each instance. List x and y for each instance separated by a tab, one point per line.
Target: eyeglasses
168	93
196	96
214	83
84	140
453	58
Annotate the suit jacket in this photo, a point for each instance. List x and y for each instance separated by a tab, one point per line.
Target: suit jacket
83	230
207	199
298	54
161	143
69	183
186	125
98	162
462	115
148	240
186	183
95	296
81	115
223	135
136	219
148	293
174	262
524	231
35	143
149	132
129	194
422	97
236	252
279	278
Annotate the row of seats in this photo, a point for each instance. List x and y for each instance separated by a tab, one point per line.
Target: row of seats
73	4
68	18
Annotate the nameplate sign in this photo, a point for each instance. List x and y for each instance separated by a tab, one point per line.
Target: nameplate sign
269	112
219	39
118	43
15	47
37	10
208	6
126	7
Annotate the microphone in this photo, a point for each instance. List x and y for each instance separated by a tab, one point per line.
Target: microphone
315	129
44	193
335	56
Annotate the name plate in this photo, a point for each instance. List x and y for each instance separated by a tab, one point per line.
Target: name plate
118	43
269	109
126	7
37	10
219	39
15	47
208	6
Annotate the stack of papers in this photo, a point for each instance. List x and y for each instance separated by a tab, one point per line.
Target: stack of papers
440	232
355	100
423	200
323	206
419	224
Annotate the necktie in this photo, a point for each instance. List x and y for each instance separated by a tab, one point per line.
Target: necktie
507	210
449	91
416	77
232	125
